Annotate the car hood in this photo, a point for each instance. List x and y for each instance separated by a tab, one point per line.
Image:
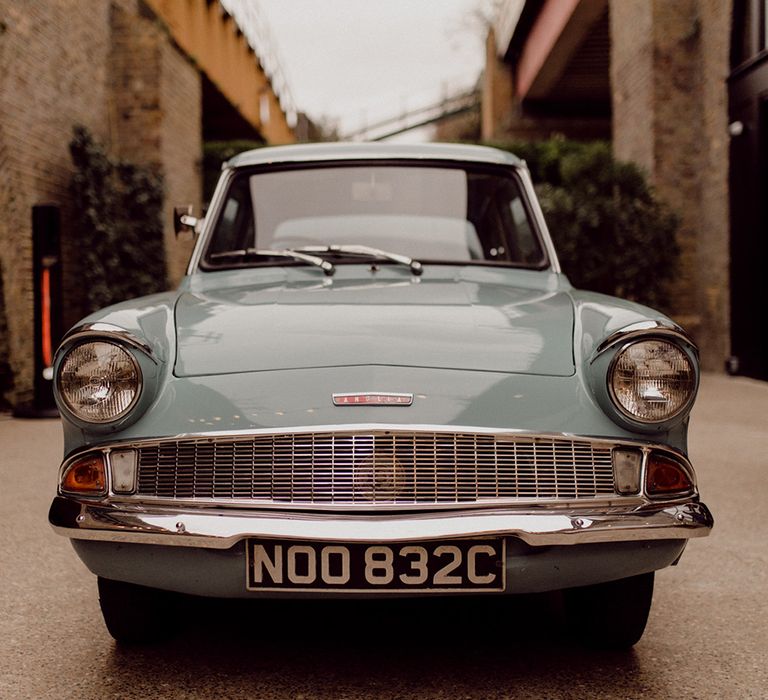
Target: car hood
446	323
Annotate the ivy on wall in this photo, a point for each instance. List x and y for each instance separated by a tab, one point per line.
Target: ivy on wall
118	226
611	232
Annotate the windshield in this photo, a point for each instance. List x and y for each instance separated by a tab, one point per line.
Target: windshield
428	213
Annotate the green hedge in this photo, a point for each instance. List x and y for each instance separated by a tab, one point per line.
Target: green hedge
215	153
118	225
611	232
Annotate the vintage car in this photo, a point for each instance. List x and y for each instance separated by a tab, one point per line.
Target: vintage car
375	380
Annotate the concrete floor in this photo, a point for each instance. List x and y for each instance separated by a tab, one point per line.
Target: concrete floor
707	636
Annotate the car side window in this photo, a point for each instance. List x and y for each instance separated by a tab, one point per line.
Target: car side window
235	227
523	235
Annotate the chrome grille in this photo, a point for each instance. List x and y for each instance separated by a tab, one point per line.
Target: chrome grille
376	467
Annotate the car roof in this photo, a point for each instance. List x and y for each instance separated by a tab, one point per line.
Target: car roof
372	151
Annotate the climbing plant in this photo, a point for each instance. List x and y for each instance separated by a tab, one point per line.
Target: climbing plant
118	224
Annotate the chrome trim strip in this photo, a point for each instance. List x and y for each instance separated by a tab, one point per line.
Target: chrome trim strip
203	504
538	215
665	329
222	530
101	330
213	435
216	203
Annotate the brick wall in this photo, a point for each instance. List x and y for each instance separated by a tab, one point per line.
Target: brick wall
632	81
157	99
53	75
181	150
669	61
134	68
678	149
713	244
112	67
498	95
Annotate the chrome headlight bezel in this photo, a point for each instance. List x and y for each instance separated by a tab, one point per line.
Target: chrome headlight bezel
603	362
144	361
680	410
124	356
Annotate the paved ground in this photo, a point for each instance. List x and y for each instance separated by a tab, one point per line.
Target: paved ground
707	637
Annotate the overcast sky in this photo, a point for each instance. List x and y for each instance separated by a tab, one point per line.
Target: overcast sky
358	61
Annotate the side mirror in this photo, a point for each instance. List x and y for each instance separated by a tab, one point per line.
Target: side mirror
184	221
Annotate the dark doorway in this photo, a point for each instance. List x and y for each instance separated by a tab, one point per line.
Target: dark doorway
748	117
749	237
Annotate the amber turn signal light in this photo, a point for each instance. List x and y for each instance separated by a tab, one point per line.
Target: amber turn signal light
666	476
85	475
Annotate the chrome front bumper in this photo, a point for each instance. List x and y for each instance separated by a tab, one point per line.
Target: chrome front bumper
223	528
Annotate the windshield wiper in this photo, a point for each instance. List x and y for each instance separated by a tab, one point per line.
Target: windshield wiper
367	251
324	265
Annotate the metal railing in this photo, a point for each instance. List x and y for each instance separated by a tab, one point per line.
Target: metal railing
250	18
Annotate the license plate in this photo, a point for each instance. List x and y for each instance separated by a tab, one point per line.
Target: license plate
429	567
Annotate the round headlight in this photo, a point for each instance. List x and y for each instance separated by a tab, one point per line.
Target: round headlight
99	381
652	381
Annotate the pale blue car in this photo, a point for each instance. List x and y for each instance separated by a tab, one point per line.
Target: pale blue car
375	380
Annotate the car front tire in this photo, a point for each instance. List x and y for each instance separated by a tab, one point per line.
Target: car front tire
137	614
610	615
